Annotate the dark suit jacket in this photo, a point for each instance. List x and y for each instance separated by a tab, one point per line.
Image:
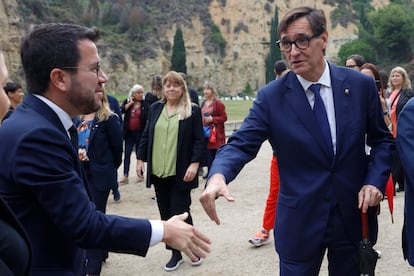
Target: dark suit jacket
15	249
190	146
42	181
104	152
405	147
310	181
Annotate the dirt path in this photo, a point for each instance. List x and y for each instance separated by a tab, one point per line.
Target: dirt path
231	253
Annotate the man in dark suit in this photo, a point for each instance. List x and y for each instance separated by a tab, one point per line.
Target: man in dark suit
41	177
326	179
405	148
15	250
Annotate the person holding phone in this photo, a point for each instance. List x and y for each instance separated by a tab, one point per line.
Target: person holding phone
214	117
135	109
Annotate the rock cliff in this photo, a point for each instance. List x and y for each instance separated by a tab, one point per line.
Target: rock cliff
246	48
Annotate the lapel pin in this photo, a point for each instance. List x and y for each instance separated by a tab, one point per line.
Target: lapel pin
346	91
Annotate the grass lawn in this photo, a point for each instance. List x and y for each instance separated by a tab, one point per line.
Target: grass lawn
237	110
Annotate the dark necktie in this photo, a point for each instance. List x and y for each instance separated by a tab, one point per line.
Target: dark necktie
321	116
73	137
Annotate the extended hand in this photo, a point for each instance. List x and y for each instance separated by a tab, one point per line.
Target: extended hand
369	196
185	237
216	186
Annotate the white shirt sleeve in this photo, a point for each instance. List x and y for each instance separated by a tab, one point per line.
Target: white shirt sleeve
157	231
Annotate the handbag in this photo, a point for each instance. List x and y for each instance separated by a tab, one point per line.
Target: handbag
206	130
213	137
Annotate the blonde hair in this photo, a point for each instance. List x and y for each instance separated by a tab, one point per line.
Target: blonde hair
104	112
406	84
184	106
212	87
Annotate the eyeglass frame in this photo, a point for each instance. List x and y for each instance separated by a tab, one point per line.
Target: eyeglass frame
306	37
97	68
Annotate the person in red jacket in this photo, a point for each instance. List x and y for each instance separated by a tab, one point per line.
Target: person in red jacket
214	116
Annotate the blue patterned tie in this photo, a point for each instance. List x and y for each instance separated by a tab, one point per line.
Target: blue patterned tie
321	116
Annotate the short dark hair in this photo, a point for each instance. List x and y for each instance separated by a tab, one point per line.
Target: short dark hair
280	66
359	60
11	87
50	46
316	18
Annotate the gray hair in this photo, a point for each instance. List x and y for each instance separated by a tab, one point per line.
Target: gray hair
134	89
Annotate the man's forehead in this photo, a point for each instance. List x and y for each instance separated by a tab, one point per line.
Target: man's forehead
298	27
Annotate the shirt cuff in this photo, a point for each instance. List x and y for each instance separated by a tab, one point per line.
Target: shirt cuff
157	232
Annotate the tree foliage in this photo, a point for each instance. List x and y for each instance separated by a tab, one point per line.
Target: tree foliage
218	39
393	32
274	53
385	35
359	47
178	58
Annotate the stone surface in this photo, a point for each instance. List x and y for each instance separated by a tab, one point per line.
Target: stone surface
245	52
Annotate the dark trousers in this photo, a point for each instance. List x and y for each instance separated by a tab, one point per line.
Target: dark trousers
171	200
342	253
211	154
95	257
132	139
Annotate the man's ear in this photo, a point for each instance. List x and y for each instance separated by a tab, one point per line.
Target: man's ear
60	79
324	37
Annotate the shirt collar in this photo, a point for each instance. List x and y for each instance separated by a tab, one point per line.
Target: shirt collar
325	79
63	116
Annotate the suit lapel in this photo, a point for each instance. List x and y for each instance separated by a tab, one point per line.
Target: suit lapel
341	96
299	103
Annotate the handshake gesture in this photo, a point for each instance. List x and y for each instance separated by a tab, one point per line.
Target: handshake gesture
186	238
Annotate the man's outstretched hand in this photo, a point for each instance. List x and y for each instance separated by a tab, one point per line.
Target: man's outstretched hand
216	187
185	237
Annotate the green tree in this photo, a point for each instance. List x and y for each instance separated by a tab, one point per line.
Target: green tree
274	53
359	47
392	32
218	39
178	58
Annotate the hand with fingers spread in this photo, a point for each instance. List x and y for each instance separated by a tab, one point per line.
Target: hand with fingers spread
185	237
369	196
216	187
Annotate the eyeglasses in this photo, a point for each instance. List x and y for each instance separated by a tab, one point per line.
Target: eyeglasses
301	43
96	69
351	65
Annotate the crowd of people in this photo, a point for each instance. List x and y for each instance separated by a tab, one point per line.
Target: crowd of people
332	130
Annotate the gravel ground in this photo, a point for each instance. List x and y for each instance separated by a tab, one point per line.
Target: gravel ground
231	254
